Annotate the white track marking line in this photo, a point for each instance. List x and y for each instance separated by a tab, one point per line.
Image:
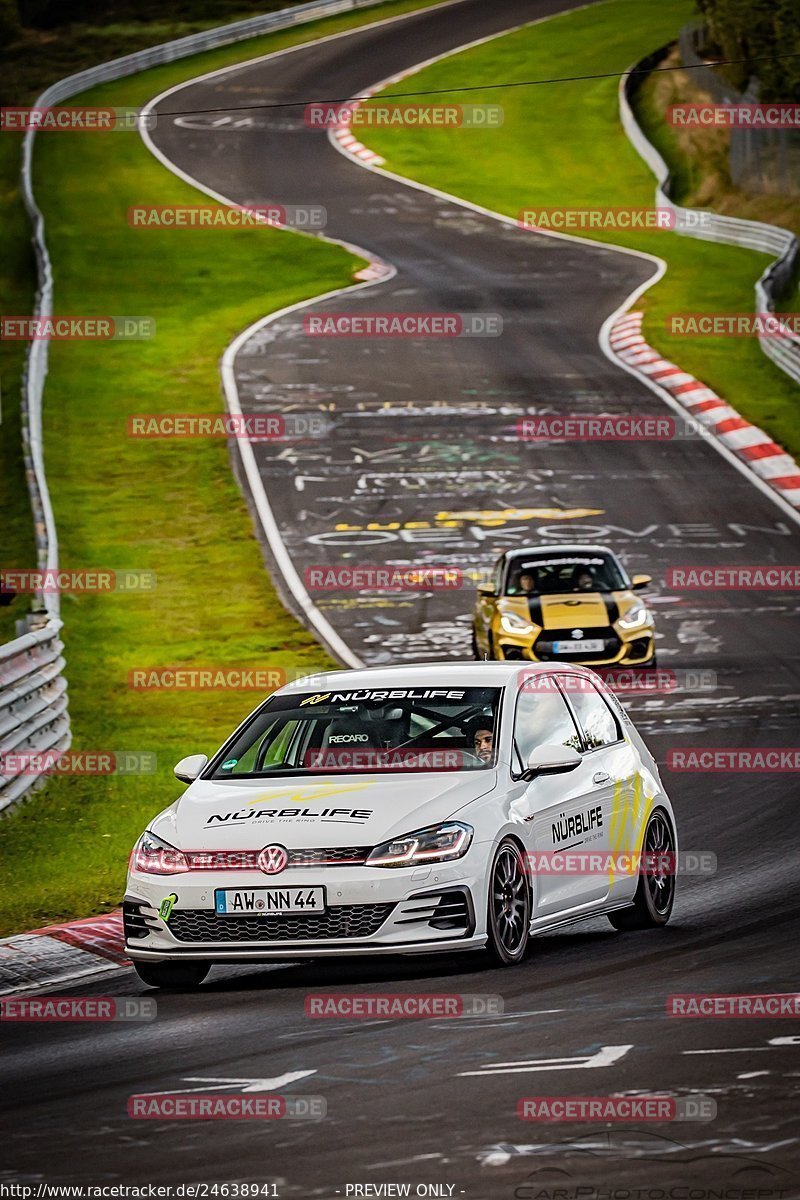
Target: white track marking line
324	629
776	465
265	513
606	1056
611	323
251	1084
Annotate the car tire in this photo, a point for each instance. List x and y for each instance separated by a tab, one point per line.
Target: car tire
490	639
508	914
476	654
175	976
655	893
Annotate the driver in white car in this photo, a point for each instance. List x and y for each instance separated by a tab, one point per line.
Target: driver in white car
483	739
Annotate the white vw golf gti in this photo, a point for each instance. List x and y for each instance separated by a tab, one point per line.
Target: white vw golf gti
410	810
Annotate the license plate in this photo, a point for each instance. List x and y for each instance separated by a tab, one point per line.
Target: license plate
263	902
586	646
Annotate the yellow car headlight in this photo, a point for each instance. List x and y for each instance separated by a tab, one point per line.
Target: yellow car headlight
636	616
512	622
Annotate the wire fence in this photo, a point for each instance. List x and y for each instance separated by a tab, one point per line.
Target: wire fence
781	345
760	160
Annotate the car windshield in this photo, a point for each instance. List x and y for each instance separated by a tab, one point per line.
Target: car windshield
559	575
368	730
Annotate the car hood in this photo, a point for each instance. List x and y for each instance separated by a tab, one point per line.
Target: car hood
353	810
563	612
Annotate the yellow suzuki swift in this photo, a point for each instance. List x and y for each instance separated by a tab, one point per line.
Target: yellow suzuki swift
563	604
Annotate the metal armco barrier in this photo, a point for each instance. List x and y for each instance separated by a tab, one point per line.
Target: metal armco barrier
33	692
33	704
753	235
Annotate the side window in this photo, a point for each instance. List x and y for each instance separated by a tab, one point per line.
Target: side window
543	719
600	726
252	760
497	576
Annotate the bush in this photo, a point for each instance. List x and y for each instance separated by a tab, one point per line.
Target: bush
757	29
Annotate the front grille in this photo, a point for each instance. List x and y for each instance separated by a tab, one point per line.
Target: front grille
543	648
330	856
247	860
344	921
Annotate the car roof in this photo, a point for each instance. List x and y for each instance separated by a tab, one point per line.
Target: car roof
562	548
425	674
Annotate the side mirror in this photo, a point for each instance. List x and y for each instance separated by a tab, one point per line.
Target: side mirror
486	589
640	582
190	767
551	760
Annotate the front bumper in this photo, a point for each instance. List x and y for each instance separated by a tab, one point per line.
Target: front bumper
368	911
628	648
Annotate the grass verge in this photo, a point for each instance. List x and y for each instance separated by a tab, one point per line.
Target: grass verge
170	508
30	62
562	145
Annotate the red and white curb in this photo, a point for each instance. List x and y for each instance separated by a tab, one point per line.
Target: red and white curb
345	138
375	269
755	448
57	955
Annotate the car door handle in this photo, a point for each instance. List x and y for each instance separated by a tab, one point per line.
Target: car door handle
601	777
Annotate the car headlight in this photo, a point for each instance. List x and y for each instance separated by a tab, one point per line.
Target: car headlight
438	843
512	622
635	617
154	857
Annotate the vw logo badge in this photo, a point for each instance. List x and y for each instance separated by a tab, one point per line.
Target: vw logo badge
273	859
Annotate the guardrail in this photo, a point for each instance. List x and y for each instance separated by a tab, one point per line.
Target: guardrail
33	705
782	348
33	692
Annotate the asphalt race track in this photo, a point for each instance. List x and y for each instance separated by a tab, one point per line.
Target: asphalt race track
421	430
